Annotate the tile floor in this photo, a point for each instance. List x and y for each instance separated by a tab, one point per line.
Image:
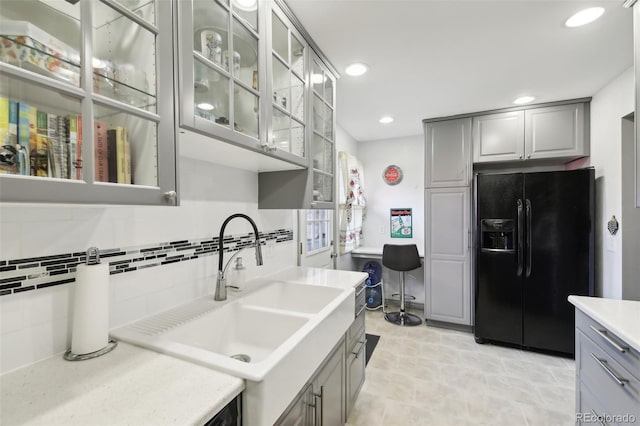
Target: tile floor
433	376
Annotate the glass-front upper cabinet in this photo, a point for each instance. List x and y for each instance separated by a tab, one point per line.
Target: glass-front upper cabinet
86	101
288	87
221	69
323	139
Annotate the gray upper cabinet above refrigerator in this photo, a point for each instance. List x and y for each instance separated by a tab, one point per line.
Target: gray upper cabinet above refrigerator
498	137
557	132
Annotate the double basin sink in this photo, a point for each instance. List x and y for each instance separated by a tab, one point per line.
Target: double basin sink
273	334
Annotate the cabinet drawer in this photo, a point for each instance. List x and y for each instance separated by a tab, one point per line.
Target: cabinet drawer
361	299
610	343
617	388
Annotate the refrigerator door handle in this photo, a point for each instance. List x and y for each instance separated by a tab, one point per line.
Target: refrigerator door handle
520	237
529	214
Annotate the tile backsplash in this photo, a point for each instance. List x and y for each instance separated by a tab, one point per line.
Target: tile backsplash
20	275
159	257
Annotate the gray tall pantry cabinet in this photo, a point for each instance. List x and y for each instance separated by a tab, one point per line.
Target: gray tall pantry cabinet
448	296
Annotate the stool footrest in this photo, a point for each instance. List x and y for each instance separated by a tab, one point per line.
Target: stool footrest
406	296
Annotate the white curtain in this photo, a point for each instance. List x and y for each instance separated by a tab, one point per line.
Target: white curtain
351	201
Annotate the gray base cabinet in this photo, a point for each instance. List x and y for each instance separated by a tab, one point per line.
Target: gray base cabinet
356	347
607	375
322	401
328	389
328	397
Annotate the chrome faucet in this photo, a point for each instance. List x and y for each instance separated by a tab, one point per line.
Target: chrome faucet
221	282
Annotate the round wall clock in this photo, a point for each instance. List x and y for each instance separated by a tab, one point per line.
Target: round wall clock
392	175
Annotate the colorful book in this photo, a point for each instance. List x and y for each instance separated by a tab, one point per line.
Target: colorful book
4	120
101	153
12	137
55	154
120	153
64	162
79	149
127	157
10	159
71	132
112	153
33	140
43	146
23	138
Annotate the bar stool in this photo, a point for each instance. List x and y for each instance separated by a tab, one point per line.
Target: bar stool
401	258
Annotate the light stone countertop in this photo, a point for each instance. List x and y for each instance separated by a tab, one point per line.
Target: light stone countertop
319	276
128	386
621	317
131	385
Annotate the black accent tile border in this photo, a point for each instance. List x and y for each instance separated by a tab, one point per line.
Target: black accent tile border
20	275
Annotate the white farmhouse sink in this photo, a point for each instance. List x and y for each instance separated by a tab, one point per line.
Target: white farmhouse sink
293	297
274	335
246	333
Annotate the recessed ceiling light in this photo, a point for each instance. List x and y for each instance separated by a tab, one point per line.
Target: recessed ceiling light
356	69
386	120
523	100
205	106
584	17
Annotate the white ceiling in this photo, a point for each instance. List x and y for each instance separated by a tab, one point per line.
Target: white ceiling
432	58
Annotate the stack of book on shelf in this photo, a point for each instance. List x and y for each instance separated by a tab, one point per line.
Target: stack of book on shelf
35	142
113	154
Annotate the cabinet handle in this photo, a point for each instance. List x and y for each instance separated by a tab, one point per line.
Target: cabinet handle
321	396
603	364
602	333
529	215
361	309
359	292
529	156
520	208
520	157
170	195
362	343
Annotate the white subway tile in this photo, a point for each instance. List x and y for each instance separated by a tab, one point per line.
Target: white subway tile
12	312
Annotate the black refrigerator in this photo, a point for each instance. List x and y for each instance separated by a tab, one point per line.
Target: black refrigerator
535	247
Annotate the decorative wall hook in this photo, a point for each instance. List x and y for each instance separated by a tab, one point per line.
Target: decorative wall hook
613	225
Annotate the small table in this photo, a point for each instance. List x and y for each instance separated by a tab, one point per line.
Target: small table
374	253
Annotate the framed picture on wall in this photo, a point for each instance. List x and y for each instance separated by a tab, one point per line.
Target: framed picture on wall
401	224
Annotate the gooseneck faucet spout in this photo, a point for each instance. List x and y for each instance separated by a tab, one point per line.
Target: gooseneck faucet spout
221	282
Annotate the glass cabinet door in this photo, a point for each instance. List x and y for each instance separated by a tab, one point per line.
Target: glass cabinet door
81	91
288	87
323	140
225	46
